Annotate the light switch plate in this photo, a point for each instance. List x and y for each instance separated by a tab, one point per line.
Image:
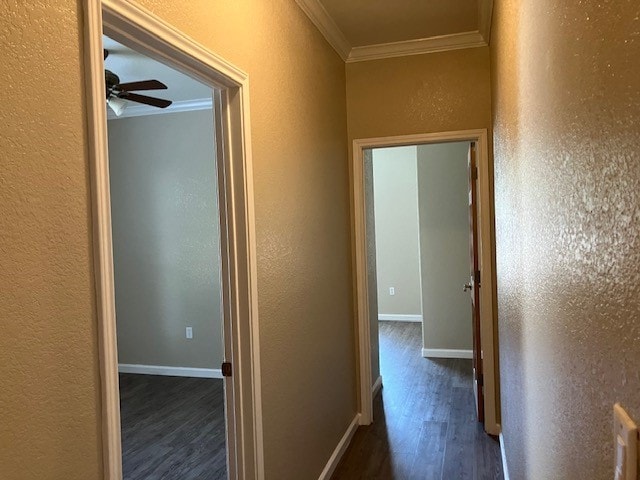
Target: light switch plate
625	438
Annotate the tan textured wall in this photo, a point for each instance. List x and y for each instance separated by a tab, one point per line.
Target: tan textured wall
49	402
437	92
567	136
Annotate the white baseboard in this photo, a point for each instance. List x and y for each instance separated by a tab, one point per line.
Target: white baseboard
170	371
446	353
337	454
505	469
377	386
392	317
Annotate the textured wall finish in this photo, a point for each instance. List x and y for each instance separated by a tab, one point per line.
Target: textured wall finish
438	92
166	239
50	426
567	136
49	386
397	243
443	202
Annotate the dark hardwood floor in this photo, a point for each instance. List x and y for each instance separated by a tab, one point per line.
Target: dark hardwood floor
424	420
172	428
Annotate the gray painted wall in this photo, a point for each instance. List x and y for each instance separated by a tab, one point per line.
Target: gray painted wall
396	230
166	239
444	244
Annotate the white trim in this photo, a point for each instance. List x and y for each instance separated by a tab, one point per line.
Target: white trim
503	453
179	106
362	287
486	250
446	353
377	386
170	371
454	41
485	14
139	29
397	317
328	28
102	244
342	446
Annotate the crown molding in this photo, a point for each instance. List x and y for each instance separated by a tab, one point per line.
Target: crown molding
440	43
323	21
332	33
175	107
485	14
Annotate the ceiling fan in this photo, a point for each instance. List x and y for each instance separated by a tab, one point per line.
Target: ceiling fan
117	92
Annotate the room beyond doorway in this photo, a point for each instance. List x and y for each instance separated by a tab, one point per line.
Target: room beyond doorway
421	223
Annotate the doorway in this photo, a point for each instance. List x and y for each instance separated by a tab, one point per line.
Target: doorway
150	36
421	236
167	278
486	336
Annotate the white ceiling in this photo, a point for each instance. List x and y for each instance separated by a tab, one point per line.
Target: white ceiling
131	66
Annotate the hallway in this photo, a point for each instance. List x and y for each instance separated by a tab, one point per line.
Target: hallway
424	425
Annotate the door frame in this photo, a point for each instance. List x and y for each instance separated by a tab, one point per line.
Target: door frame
138	28
486	247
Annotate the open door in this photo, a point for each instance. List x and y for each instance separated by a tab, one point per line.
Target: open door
474	283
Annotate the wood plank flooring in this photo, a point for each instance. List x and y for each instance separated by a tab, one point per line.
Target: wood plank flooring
172	428
424	420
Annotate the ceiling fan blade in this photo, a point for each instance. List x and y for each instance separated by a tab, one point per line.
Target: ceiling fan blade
154	102
143	85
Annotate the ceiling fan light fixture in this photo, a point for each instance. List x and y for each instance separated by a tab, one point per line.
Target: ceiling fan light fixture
116	104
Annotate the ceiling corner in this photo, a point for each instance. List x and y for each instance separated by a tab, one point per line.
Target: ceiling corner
485	14
323	21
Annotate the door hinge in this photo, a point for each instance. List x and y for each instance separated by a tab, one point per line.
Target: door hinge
474	173
480	380
226	369
476	277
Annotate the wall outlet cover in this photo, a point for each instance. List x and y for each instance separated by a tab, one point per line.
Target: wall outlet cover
625	438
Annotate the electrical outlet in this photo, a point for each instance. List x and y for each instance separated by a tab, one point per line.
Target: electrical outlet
392	290
189	332
625	438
